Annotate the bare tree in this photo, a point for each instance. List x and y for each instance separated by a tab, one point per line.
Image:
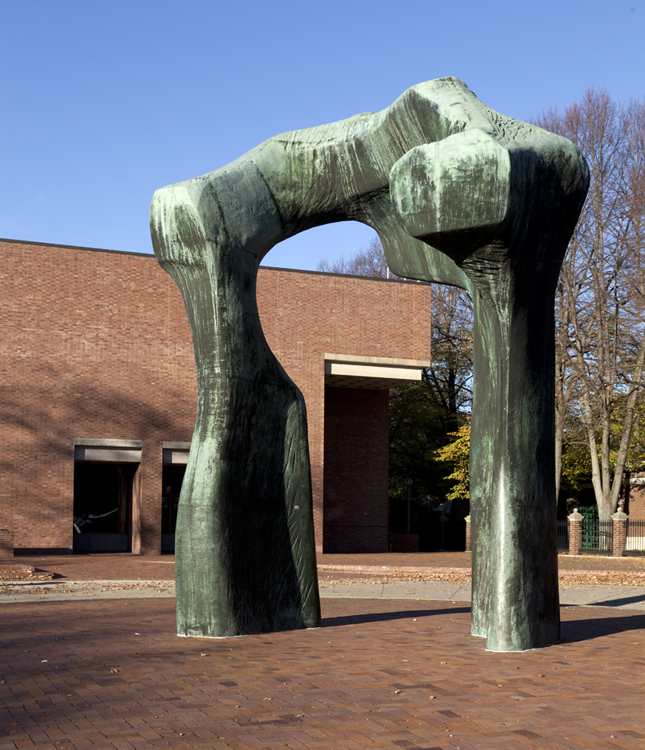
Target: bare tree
451	372
566	380
600	337
370	261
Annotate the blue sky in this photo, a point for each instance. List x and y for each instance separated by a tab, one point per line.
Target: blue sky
104	101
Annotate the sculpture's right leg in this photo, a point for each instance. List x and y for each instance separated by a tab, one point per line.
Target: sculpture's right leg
504	212
245	552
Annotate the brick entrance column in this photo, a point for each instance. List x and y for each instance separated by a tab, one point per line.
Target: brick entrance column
575	532
469	539
620	533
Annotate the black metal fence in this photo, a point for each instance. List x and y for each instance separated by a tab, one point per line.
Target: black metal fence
598	536
563	536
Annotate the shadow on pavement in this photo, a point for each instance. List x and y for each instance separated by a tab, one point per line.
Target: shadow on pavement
619	602
332	622
575	631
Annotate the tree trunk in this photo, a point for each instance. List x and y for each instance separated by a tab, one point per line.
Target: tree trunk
560	418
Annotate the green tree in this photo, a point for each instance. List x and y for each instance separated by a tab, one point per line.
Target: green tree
456	455
418	427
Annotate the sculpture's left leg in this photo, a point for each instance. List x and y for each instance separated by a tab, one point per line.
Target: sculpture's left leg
245	547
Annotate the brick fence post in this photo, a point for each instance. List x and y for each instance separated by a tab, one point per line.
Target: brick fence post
575	532
469	539
619	533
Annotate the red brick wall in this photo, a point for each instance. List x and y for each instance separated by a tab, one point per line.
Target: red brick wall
635	505
97	345
356	470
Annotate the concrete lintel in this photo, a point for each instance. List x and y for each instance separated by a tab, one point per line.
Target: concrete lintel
405	374
175	445
109	455
107	443
378	361
175	457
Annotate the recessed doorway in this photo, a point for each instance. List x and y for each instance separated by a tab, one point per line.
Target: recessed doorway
103	506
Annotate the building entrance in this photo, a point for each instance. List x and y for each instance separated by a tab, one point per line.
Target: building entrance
103	506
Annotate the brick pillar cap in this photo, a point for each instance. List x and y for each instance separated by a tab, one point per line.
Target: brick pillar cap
575	516
467	519
619	516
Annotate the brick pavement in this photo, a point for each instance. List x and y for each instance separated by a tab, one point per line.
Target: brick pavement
379	674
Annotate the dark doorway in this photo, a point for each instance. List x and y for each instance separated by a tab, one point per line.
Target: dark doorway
103	506
173	476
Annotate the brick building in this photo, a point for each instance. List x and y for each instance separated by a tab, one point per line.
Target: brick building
98	394
634	497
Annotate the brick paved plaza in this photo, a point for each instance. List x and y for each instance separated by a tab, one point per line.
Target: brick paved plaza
378	674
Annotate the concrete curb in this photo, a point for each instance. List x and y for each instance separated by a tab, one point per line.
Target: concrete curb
376	569
388	569
601	595
58	591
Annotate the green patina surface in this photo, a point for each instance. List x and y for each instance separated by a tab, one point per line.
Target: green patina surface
458	195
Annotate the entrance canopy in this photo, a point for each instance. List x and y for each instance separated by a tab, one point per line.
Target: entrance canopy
374	373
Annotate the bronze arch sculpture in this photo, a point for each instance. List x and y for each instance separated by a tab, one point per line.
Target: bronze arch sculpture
458	194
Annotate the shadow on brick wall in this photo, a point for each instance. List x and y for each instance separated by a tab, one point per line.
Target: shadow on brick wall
38	423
